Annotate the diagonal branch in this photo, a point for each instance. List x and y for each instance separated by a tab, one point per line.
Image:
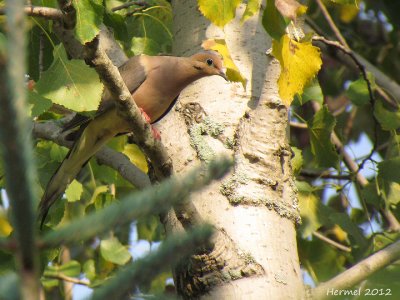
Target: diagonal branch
332	24
128	109
358	272
40	11
186	212
66	278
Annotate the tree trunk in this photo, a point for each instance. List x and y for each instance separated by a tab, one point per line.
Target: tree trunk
254	209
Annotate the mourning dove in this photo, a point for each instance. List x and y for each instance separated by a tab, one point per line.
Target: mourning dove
155	83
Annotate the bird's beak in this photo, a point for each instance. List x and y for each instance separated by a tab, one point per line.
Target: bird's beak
223	74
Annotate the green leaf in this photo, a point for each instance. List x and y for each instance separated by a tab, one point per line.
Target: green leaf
89	269
389	120
46	3
10	286
37	104
219	12
143	45
320	260
57	153
312	91
39	40
392	192
345	2
320	128
136	156
89	17
113	251
348	226
309	210
252	8
158	283
70	269
273	21
389	169
149	229
70	83
154	23
381	240
297	160
370	195
303	186
74	191
358	92
3	45
118	25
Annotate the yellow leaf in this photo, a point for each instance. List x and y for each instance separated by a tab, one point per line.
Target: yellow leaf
348	13
5	227
290	8
300	62
339	233
232	70
136	157
252	8
220	12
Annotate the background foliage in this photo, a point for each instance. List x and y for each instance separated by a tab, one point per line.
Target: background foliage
348	183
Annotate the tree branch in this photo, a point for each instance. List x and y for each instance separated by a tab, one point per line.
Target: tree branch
40	11
332	24
185	211
63	277
128	109
324	174
331	242
359	272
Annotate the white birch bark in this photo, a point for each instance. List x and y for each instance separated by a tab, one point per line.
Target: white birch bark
254	209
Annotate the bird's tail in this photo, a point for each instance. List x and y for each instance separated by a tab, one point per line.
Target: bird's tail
93	137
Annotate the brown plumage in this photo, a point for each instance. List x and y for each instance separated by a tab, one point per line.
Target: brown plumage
155	83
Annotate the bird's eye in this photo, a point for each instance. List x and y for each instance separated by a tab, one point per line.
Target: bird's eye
209	62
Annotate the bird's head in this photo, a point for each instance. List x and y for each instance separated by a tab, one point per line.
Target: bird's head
209	63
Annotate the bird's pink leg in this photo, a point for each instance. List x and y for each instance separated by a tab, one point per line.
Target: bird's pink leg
156	133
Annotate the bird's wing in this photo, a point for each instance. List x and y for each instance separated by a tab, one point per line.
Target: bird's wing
132	72
90	137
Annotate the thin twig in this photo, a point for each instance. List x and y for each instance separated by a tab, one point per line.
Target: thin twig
331	23
385	84
41	53
65	257
298	125
39	11
349	123
363	71
331	242
63	277
324	174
